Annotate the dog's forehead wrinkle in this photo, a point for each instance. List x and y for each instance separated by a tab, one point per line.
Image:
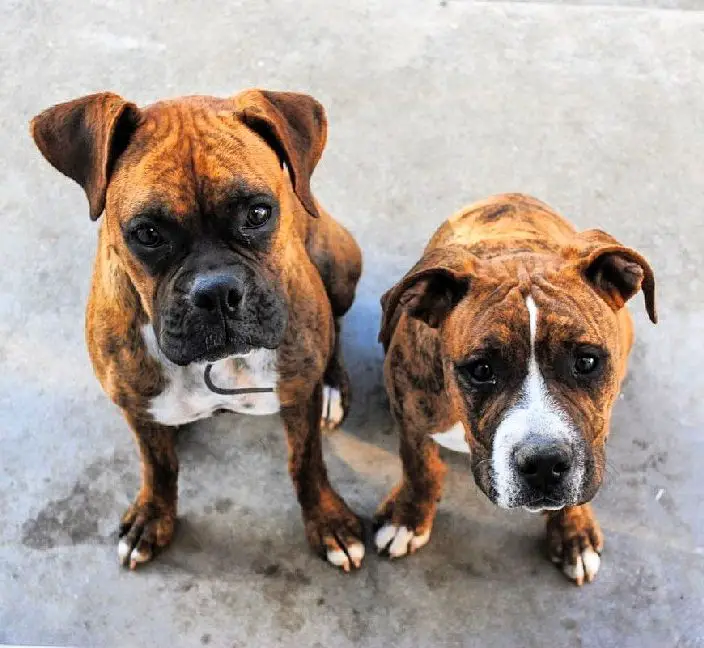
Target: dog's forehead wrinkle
565	319
192	140
206	199
491	326
242	186
157	209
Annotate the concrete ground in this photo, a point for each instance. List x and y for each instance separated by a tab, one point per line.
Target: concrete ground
595	107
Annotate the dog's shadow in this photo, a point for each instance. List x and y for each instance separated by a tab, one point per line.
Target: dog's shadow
234	485
238	510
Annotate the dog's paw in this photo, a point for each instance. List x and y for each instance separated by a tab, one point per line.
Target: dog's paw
143	529
575	543
344	553
333	408
336	534
404	521
398	540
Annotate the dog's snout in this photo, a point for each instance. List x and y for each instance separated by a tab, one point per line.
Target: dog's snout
217	290
543	466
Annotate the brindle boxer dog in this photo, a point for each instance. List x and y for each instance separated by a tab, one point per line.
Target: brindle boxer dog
509	340
219	283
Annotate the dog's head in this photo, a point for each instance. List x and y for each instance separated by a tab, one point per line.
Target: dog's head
534	351
201	197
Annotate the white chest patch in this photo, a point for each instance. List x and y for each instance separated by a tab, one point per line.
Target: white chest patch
187	398
453	439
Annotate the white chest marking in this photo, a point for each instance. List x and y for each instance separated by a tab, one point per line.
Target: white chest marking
186	397
453	439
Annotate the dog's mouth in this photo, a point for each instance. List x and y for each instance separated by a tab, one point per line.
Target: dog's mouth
183	353
543	504
215	344
187	336
211	355
531	500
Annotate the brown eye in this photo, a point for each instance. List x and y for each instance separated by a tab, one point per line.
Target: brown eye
257	215
586	363
479	372
148	236
482	372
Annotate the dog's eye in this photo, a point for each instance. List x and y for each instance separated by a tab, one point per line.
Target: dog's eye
585	364
257	215
148	236
480	372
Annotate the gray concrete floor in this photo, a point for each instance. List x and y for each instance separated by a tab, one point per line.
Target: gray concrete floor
595	107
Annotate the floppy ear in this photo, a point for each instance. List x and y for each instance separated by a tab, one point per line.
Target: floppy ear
429	291
295	126
616	272
83	139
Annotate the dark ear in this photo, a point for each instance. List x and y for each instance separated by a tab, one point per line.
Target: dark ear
83	138
617	272
431	289
295	126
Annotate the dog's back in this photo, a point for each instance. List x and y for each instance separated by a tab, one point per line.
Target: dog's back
505	224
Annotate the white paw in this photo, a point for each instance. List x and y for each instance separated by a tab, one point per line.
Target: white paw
347	559
332	407
584	569
129	556
399	540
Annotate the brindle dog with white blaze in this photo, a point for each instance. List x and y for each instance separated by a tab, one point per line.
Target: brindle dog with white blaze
219	283
509	340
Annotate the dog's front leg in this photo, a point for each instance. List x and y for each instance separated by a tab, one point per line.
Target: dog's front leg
404	519
332	529
575	542
149	522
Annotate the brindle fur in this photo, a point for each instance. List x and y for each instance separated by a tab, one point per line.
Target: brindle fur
470	286
185	156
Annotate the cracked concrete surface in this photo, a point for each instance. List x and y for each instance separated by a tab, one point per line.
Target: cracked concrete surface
594	107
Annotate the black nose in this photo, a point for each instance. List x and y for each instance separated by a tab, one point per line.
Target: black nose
217	290
543	466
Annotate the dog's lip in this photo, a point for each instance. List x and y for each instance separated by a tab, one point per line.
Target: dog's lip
540	504
227	351
544	507
209	357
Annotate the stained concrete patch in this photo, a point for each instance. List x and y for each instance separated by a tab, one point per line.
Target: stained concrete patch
67	521
77	517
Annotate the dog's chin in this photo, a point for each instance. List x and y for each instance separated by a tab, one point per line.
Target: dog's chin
213	356
528	501
183	352
544	505
540	504
184	356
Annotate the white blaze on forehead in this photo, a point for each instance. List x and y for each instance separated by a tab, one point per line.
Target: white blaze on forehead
533	323
535	392
535	413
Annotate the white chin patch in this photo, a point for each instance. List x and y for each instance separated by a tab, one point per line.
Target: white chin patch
453	439
540	509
